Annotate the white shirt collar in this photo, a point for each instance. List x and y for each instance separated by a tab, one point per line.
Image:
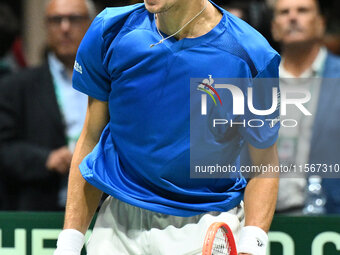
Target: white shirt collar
316	68
57	66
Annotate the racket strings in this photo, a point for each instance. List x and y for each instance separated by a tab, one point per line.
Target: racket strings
221	245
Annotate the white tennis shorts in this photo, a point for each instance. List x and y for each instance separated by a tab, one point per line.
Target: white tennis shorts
123	229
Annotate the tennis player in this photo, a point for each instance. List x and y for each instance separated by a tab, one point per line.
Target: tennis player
135	64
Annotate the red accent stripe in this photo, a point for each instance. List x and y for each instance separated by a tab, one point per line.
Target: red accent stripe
210	87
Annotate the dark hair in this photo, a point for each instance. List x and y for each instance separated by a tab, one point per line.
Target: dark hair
9	28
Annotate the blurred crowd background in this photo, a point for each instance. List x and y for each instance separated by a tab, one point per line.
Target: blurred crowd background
22	25
34	157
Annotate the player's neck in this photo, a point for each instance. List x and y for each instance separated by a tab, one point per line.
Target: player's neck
171	21
299	59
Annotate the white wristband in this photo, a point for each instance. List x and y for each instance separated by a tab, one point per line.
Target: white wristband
253	240
70	242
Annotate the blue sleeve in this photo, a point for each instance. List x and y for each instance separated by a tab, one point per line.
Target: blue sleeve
261	131
90	75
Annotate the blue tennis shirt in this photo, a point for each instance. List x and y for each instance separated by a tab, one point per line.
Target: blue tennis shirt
143	155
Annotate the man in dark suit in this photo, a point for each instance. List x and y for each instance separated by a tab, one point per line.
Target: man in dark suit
41	116
299	27
9	29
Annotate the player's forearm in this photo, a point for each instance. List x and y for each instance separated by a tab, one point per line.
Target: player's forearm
259	202
82	202
261	192
82	197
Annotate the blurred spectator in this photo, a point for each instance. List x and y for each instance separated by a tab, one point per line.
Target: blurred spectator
41	116
239	9
256	13
299	27
9	29
109	3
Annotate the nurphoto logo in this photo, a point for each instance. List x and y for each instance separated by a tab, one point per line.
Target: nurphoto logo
279	102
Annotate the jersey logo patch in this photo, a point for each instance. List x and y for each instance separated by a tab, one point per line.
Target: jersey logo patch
78	67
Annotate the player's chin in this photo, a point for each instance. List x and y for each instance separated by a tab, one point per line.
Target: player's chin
153	6
152	9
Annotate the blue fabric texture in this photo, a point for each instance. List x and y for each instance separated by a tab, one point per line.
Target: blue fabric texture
143	155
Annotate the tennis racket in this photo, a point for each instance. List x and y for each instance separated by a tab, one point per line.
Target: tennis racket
219	240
